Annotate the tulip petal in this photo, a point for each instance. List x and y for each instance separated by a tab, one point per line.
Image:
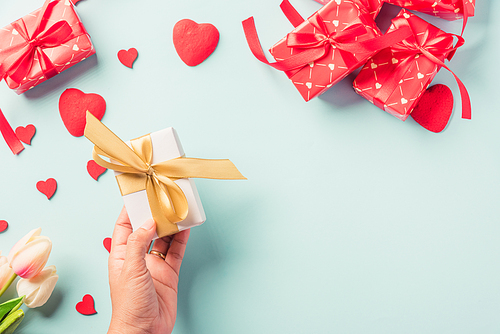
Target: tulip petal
38	289
30	259
44	292
23	241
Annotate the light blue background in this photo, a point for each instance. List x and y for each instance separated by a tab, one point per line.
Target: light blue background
351	220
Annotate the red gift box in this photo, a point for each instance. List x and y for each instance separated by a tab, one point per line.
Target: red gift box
396	77
42	44
372	7
445	9
326	47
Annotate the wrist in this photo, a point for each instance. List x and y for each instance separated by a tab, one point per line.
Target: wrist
119	327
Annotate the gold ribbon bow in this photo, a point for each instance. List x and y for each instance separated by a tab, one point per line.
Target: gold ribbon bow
166	199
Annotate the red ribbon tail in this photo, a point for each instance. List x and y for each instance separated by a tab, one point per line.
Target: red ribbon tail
291	13
296	61
10	137
464	95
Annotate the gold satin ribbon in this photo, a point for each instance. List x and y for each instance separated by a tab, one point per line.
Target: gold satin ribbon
166	199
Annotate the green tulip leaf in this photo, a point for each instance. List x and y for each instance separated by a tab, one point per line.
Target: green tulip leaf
9	324
10	305
15	308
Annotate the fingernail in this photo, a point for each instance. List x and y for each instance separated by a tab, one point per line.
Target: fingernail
148	224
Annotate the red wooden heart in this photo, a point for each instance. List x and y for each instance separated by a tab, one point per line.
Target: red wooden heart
107	244
127	57
25	134
86	306
94	169
73	104
3	225
48	188
194	42
434	109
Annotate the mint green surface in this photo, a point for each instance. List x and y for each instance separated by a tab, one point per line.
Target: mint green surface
351	221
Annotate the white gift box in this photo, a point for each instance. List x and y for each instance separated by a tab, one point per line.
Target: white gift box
166	146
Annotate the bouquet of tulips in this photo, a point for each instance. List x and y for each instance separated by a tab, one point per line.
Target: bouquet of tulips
27	260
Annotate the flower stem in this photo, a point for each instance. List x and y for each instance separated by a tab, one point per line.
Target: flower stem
7	284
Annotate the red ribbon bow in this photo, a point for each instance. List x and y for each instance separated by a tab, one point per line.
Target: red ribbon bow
432	49
317	45
17	60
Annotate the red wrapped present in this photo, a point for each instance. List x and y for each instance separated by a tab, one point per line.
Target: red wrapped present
396	77
326	47
42	44
445	9
372	7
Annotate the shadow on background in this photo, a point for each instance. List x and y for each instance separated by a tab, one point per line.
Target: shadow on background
62	80
195	264
208	249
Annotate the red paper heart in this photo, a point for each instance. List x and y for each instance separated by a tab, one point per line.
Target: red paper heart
194	42
48	188
127	57
86	306
3	225
25	134
433	111
73	105
94	169
107	244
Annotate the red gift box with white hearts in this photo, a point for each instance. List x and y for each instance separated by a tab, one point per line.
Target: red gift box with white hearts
372	7
445	9
42	44
396	77
318	76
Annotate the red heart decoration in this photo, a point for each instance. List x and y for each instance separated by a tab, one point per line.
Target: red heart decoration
86	306
25	134
434	109
94	169
107	244
194	42
73	104
48	188
127	57
3	225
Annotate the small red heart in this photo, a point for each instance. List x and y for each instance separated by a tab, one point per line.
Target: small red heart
73	104
25	134
434	109
3	225
107	244
95	170
86	306
48	188
194	42
127	57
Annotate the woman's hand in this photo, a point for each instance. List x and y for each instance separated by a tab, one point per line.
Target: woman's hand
143	286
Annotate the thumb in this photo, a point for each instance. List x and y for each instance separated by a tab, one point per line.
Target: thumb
139	241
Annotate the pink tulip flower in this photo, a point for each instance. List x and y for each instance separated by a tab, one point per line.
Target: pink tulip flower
38	289
6	273
30	254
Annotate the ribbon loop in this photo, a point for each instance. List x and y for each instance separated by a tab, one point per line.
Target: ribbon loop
167	201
